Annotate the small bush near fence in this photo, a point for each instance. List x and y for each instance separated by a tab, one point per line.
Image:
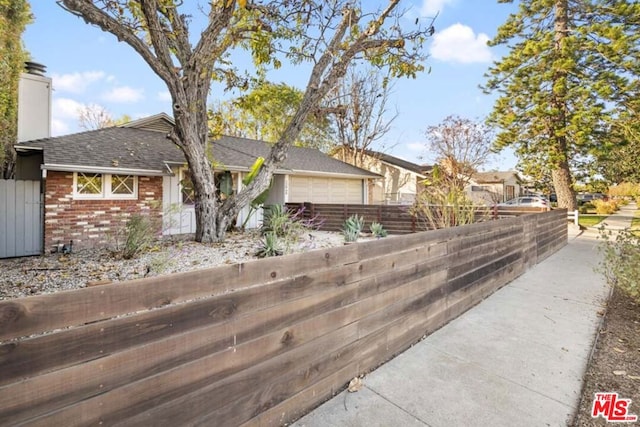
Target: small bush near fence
605	207
621	260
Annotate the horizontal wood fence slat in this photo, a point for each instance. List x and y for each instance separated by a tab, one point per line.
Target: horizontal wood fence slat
256	343
396	219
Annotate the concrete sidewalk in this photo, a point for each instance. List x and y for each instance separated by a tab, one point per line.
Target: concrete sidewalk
516	359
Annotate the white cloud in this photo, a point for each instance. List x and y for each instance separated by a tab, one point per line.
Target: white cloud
164	96
76	82
124	94
458	43
66	108
416	146
64	115
432	7
59	127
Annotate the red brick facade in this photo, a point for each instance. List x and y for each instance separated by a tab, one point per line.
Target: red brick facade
93	223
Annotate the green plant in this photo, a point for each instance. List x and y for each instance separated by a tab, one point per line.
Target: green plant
136	236
621	257
605	207
286	226
377	230
160	264
270	245
352	228
277	219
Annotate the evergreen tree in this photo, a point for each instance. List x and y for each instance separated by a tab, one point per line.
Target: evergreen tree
567	83
14	17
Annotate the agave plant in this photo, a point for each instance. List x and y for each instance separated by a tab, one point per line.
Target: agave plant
377	230
352	227
269	246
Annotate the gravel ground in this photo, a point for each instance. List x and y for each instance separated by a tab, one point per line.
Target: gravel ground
56	272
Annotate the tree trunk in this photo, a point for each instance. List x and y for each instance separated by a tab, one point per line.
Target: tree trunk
562	183
560	171
191	134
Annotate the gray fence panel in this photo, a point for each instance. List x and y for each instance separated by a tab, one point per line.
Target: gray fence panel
20	218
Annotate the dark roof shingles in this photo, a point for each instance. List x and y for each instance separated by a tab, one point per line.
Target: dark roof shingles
131	148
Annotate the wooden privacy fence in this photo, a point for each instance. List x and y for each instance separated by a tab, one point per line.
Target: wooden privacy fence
257	343
396	219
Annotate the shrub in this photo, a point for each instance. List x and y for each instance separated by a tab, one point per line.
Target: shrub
621	257
625	189
444	207
583	209
277	220
282	229
605	208
135	237
377	230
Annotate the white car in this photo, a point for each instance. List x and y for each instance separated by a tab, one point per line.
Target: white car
525	202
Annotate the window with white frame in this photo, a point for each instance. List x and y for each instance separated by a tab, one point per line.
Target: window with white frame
104	186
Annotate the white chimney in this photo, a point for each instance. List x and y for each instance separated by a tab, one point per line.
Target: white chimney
34	103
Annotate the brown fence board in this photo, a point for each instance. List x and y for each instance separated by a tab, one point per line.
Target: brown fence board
41	313
97	377
252	344
76	345
298	404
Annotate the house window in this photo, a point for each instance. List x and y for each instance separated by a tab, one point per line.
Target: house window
480	188
510	192
88	183
123	184
224	183
104	186
187	191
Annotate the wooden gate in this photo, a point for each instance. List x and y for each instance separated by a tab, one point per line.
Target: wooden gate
20	218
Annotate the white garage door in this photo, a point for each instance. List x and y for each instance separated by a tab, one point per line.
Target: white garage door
324	190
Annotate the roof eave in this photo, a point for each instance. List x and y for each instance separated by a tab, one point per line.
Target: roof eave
370	175
103	169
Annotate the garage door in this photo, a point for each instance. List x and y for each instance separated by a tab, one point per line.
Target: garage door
324	190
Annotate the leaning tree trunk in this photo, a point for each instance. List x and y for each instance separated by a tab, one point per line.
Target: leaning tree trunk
191	134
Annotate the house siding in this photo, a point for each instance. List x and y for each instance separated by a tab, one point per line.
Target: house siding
93	223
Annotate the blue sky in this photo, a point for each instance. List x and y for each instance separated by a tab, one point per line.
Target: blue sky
89	66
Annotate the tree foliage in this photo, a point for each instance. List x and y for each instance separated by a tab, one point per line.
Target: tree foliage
94	116
360	111
618	161
326	36
460	146
14	17
264	112
568	81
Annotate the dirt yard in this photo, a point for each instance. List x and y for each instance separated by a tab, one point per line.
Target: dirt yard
615	365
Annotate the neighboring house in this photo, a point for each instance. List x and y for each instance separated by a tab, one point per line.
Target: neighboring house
93	181
489	188
402	179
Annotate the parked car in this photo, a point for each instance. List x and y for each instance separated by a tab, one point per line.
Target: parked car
588	197
525	202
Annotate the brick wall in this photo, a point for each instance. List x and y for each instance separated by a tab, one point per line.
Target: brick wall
93	223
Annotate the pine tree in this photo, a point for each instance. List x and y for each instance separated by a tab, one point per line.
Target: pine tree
567	82
14	17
